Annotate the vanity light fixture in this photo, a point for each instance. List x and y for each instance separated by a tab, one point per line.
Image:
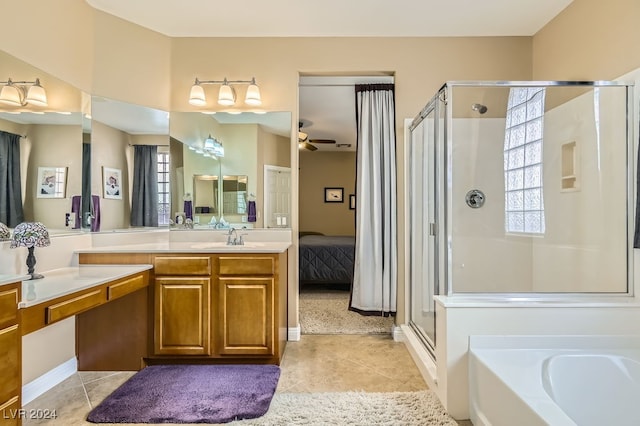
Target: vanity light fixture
226	94
16	93
213	146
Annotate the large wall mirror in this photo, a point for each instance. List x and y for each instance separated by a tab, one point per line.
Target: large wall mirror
116	128
251	141
51	138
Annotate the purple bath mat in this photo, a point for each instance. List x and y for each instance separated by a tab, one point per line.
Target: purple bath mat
190	394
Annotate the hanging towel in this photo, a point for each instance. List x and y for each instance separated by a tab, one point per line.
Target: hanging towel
75	208
95	213
188	209
251	211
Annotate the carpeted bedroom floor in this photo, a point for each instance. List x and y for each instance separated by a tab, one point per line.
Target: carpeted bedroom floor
324	310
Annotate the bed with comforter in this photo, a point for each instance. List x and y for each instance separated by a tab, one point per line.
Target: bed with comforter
326	258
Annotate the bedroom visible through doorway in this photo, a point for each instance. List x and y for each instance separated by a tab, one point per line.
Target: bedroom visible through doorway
327	182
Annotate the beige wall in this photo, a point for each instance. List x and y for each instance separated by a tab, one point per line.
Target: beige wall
326	169
589	40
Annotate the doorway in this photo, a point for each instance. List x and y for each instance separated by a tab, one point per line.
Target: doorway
327	182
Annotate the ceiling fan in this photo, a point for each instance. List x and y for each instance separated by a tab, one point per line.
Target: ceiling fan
305	143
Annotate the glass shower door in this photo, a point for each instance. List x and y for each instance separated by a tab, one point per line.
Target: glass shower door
422	225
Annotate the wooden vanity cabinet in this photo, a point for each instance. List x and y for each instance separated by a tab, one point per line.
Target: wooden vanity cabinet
10	355
182	305
246	304
214	307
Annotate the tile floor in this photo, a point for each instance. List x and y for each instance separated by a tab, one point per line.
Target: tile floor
317	363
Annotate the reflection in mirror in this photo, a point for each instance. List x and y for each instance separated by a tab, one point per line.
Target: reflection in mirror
234	195
117	128
48	136
48	141
251	142
205	196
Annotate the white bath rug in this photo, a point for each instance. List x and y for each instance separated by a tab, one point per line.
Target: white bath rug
354	408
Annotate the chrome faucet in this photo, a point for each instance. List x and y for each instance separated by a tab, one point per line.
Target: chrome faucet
234	241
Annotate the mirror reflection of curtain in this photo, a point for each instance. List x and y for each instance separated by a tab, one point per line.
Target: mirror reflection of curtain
11	213
144	200
86	184
374	285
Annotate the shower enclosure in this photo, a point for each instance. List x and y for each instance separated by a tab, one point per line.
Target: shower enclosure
519	191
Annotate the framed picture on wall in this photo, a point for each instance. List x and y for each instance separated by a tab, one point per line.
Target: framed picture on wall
352	201
52	182
112	183
334	195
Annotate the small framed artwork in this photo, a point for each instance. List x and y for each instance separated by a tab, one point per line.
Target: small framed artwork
112	183
352	201
52	182
334	195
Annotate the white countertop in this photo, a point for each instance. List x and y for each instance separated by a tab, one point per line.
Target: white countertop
193	247
60	282
8	279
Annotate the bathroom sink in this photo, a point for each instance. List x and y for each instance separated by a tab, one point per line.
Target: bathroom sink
223	245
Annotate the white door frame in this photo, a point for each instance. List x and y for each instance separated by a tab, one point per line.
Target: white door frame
267	169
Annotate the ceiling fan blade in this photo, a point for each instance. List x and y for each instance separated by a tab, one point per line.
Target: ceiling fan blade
322	141
307	146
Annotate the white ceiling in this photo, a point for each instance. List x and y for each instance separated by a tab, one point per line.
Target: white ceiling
336	18
327	109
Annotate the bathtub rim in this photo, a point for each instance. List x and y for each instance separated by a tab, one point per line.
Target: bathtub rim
488	352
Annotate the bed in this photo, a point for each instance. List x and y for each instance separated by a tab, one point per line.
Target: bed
326	258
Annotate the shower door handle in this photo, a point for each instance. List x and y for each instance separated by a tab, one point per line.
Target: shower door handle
432	229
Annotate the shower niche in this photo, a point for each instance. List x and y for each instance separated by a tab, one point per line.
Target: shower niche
555	163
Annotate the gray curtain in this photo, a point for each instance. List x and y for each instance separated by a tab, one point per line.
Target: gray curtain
375	272
11	212
636	234
86	182
144	202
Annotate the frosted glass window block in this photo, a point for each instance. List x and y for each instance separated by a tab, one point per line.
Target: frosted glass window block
517	136
515	179
532	199
519	114
516	158
534	109
519	95
532	92
532	176
515	200
533	153
515	222
534	130
533	222
508	123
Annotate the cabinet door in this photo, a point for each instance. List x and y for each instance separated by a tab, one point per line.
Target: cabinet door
245	316
182	316
10	365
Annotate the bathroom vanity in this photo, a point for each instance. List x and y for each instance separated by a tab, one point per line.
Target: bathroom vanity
207	303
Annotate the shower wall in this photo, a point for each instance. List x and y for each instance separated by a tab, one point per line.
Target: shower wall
584	248
584	182
484	259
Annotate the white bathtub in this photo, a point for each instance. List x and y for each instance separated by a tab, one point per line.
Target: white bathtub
554	380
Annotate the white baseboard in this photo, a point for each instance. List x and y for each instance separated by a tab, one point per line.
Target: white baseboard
397	333
38	386
294	334
423	361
